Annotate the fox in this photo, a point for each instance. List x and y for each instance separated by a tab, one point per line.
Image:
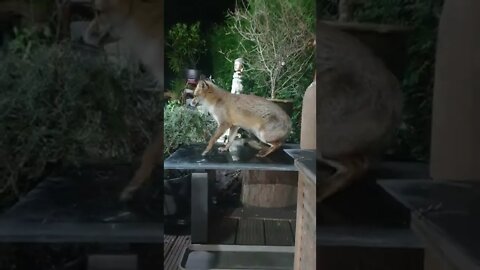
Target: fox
140	23
263	118
359	108
137	22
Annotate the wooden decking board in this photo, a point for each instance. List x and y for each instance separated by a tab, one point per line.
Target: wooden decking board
262	213
293	226
171	254
177	250
173	257
231	231
223	231
168	243
278	233
250	232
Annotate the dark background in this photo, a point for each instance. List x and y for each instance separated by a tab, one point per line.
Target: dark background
208	12
190	11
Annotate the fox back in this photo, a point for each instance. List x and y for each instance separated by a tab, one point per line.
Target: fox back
263	118
359	100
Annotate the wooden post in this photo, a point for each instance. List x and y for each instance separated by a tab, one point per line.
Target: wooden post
308	133
455	145
305	234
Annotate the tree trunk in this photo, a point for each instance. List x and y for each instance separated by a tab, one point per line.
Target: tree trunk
269	189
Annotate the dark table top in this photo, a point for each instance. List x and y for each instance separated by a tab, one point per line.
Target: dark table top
242	158
305	161
364	214
446	214
81	205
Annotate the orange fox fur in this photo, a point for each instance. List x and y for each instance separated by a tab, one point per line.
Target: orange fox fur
359	106
140	24
266	120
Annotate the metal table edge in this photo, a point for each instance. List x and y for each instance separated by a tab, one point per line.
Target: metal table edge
329	236
55	233
425	230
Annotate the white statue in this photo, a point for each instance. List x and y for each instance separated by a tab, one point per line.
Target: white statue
237	87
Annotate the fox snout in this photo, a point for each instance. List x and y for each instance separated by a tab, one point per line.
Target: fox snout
93	35
194	102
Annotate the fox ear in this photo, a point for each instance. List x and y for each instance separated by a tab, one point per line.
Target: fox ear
203	84
207	86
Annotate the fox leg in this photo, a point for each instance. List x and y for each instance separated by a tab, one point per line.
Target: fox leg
347	171
231	137
149	159
266	151
220	130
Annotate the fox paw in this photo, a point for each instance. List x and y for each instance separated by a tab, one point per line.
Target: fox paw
223	149
127	194
262	153
204	153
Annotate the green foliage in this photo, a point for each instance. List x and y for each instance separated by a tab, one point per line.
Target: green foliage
60	106
223	47
176	88
184	125
275	37
327	10
185	46
27	39
422	16
417	85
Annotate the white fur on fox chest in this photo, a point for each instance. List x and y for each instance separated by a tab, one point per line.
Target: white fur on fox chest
216	112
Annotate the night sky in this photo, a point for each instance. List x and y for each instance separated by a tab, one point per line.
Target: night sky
190	11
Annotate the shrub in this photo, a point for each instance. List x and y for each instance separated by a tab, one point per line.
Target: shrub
184	125
275	41
61	106
185	46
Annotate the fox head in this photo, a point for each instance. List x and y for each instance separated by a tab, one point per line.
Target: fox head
110	15
202	91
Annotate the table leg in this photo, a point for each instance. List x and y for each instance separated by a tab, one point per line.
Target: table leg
150	256
199	208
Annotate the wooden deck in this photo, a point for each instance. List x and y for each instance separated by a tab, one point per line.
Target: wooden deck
239	226
174	246
252	231
234	231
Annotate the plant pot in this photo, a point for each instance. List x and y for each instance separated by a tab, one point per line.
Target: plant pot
192	75
387	42
285	104
177	190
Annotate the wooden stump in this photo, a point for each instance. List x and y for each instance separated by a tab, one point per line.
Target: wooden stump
269	189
